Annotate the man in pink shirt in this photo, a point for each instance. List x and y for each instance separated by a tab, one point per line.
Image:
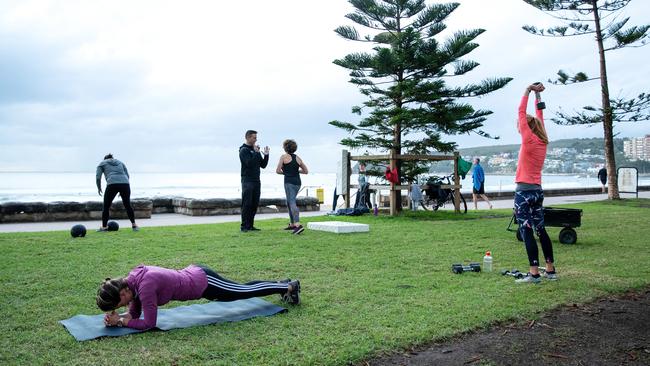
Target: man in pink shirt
529	195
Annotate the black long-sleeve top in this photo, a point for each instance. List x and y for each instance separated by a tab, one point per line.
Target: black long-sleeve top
251	162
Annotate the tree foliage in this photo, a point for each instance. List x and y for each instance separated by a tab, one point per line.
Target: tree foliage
623	110
410	107
602	20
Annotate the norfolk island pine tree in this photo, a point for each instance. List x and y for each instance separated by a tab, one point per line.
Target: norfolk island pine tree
409	107
585	17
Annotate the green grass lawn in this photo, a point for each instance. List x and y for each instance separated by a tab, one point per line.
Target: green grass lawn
363	294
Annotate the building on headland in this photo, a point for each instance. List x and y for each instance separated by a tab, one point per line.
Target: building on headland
637	148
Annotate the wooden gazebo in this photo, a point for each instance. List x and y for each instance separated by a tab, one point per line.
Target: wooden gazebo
395	189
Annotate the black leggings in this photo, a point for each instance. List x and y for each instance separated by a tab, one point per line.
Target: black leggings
222	289
529	211
124	189
531	245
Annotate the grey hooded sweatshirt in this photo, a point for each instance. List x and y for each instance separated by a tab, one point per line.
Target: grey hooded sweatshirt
114	170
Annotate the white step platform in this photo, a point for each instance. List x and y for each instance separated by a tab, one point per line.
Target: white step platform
338	227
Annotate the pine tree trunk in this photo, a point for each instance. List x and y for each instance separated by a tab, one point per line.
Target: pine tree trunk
397	132
397	150
608	125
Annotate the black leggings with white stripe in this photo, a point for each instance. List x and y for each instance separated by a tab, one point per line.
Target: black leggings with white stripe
222	289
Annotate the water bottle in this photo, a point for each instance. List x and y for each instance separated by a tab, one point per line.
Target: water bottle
375	210
487	262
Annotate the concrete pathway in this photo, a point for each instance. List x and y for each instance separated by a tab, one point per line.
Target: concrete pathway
556	200
178	219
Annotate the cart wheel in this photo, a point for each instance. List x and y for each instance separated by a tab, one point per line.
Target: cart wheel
518	233
568	236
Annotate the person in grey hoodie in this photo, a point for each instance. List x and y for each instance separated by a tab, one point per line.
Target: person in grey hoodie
117	181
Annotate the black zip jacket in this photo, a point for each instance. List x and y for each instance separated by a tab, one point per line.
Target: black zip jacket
251	162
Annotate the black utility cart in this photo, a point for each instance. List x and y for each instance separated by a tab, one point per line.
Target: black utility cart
566	218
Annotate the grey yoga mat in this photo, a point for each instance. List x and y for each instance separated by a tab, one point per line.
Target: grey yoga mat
86	327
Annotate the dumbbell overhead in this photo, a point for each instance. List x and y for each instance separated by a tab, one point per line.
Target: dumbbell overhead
540	104
460	268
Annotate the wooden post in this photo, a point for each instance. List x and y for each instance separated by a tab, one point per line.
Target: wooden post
393	192
346	169
456	183
378	198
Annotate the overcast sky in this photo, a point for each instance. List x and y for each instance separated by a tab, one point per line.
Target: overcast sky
171	86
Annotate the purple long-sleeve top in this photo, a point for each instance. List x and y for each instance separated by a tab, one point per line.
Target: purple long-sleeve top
154	286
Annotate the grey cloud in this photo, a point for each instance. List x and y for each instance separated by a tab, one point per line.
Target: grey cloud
32	70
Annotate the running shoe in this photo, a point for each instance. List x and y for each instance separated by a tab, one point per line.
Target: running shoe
551	276
529	279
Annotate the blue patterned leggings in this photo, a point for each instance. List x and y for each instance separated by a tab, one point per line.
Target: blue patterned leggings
529	212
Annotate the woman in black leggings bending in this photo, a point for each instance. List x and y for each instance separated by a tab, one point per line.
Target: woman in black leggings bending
117	181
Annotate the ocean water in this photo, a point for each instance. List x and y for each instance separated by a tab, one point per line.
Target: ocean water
50	187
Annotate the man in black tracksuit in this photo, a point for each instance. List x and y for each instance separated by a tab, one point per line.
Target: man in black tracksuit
251	162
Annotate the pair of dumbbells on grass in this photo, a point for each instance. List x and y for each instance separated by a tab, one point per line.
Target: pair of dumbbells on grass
516	274
460	268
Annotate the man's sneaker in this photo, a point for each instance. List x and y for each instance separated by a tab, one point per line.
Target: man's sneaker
551	276
529	279
135	228
102	230
289	227
255	229
297	230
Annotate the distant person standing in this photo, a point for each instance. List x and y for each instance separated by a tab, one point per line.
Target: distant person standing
117	181
291	166
415	193
362	174
251	161
478	187
364	191
529	196
602	176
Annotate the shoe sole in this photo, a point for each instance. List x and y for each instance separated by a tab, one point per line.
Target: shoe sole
531	282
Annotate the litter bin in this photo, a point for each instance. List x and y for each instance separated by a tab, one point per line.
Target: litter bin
320	194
